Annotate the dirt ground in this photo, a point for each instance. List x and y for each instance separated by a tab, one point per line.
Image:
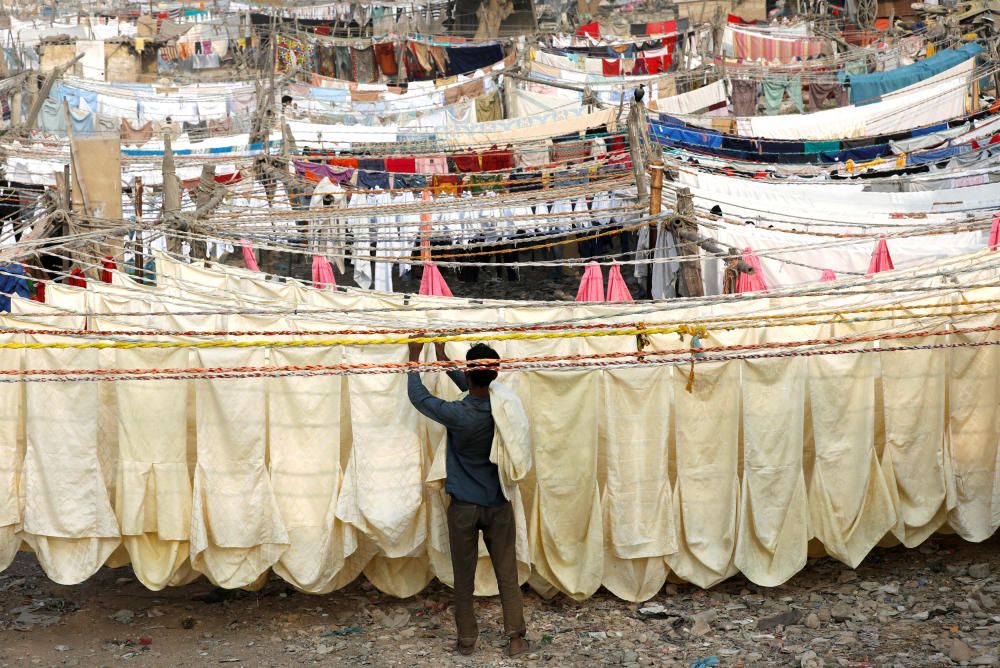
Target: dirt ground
938	605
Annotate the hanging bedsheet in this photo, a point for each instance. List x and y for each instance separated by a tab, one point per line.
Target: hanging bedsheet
703	513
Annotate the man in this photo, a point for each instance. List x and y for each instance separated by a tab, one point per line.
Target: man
477	499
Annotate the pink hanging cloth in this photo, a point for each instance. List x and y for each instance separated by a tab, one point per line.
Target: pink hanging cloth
827	276
323	273
248	257
432	282
591	285
880	259
617	289
995	232
751	282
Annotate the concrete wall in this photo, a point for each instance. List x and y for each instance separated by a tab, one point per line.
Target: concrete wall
54	55
121	63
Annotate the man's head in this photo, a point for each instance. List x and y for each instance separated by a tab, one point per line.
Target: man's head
481	377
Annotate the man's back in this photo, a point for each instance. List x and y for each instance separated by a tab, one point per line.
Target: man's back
471	476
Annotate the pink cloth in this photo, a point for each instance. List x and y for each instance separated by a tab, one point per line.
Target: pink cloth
432	282
323	273
248	258
617	290
751	282
995	232
592	284
827	276
880	259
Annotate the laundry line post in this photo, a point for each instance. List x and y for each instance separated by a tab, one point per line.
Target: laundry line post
655	205
137	243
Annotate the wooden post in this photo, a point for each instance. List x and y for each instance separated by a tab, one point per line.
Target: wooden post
139	248
690	270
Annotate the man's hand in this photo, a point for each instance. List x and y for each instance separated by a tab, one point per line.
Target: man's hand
416	346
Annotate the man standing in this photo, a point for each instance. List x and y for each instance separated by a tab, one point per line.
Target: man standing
477	499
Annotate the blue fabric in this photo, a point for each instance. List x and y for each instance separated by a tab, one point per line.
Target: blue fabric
330	94
936	155
12	282
464	59
73	96
679	134
869	88
929	130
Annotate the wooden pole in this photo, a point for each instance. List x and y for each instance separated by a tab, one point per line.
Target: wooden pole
140	260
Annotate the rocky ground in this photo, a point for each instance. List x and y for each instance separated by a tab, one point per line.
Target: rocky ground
938	605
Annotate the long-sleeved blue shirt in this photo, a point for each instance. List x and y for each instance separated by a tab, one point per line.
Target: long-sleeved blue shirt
471	476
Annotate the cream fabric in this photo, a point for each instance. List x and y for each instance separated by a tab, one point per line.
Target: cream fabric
153	491
636	497
773	533
564	522
305	435
913	443
849	502
707	493
974	430
11	454
916	459
237	533
68	519
382	493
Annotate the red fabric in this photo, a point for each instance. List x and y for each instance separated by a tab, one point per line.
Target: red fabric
496	160
191	184
611	67
322	30
751	282
640	67
401	165
76	278
995	232
827	276
880	259
592	29
657	28
467	162
39	292
732	18
107	266
248	257
433	283
654	65
617	289
342	162
591	285
322	273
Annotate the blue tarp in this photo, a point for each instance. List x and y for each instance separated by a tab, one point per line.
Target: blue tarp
670	131
868	88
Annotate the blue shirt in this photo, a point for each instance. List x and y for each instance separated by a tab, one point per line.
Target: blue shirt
471	476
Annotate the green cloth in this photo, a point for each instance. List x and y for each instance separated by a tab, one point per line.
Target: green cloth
821	146
775	86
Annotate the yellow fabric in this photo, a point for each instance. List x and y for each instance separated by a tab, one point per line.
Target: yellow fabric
773	533
564	522
973	425
850	505
706	495
636	497
236	528
153	492
68	519
11	455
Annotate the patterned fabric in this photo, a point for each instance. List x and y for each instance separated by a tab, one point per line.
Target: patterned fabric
751	46
363	66
291	54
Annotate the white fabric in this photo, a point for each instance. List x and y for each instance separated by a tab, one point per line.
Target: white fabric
695	100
